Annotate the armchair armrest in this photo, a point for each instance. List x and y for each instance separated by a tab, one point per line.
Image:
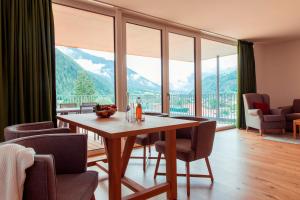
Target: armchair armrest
69	150
255	112
40	182
42	132
286	109
276	111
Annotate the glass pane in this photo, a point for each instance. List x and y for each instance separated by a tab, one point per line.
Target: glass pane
144	66
219	82
181	75
84	60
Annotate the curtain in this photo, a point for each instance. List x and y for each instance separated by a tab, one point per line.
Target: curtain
27	62
246	77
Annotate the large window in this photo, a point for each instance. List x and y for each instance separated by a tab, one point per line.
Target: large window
144	66
219	81
181	74
84	56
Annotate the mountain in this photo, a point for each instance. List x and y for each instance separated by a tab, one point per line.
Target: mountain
228	82
70	61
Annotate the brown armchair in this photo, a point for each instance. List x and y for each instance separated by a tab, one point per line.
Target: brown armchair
291	113
30	129
255	117
59	171
191	144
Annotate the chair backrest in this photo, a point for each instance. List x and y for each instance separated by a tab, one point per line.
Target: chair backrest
20	130
156	114
296	106
186	133
203	138
87	107
68	105
251	98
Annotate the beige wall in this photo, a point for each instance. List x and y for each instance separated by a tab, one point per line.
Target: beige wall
278	71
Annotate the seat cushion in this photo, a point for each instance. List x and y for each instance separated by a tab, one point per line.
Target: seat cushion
273	118
183	149
292	116
77	186
264	107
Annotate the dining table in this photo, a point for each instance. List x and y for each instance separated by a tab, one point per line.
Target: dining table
116	129
68	110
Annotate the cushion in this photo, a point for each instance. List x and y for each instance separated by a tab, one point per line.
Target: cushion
292	116
296	106
183	149
273	118
265	108
77	186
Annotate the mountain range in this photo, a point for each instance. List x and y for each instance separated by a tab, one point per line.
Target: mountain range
71	61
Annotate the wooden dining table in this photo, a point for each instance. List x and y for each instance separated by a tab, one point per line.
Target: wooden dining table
115	128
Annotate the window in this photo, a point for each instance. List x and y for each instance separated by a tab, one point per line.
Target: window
219	81
181	74
144	66
84	56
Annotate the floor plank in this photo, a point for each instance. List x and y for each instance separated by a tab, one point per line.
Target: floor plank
244	165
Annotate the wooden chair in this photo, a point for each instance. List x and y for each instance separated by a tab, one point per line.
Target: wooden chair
191	144
146	140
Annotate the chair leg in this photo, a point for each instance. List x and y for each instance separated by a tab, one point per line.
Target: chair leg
157	165
209	169
149	150
260	132
187	166
144	158
247	129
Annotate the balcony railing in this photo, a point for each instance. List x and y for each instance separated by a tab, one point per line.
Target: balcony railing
222	109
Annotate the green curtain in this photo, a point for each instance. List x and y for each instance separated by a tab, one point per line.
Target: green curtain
27	62
246	77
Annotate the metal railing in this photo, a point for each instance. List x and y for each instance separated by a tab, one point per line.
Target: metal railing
222	108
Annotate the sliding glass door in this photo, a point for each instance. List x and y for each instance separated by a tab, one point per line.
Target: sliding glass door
85	64
219	81
181	75
144	66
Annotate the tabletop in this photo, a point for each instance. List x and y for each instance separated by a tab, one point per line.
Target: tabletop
117	126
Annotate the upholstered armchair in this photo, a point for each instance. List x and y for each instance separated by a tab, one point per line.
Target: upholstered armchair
291	113
191	144
30	129
59	171
255	118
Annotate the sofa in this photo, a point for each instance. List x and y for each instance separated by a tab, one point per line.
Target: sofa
291	113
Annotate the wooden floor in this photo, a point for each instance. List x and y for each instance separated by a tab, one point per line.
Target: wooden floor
244	165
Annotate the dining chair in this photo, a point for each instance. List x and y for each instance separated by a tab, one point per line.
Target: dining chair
60	170
191	144
30	129
147	140
89	107
65	105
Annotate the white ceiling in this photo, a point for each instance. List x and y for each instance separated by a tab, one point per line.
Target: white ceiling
256	20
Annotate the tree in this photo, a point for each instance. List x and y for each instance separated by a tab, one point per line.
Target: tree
84	85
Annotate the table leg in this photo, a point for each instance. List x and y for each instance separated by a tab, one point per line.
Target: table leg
113	152
294	129
127	152
73	128
171	171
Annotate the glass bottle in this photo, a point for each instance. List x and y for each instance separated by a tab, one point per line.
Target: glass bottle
138	110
